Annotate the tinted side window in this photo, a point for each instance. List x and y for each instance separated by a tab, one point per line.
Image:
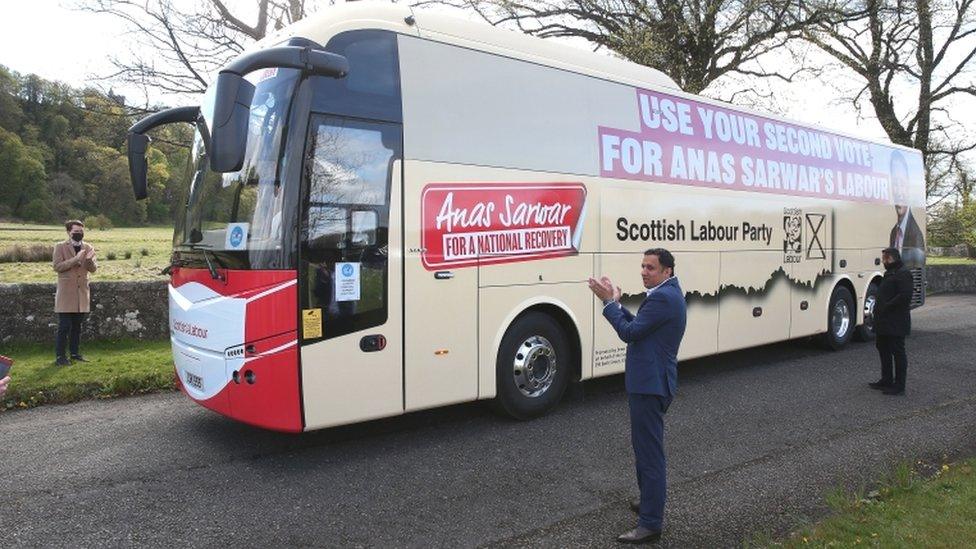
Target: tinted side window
372	87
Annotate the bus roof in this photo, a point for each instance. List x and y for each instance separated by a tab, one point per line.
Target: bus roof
479	36
434	25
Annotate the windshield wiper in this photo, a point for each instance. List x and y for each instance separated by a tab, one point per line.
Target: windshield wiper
210	258
214	273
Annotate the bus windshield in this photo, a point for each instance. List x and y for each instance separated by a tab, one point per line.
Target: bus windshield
239	211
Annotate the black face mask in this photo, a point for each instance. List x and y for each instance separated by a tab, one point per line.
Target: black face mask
77	236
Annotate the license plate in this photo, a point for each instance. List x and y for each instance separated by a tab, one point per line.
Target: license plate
194	380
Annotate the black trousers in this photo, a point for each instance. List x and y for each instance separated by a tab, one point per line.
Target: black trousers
892	349
69	331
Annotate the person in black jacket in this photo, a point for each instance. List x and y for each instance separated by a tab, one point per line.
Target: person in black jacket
893	322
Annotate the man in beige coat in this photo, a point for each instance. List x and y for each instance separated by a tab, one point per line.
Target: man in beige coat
73	260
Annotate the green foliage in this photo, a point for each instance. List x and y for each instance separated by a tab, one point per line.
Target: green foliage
98	222
24	179
952	224
62	155
110	256
37	210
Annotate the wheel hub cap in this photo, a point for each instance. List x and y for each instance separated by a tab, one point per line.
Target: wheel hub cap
841	319
534	366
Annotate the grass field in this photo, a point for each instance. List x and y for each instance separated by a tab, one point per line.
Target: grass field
908	509
155	242
950	261
117	368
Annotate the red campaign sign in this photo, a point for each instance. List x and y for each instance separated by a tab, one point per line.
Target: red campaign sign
487	223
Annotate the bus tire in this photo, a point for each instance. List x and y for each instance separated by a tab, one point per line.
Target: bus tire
865	330
533	367
840	319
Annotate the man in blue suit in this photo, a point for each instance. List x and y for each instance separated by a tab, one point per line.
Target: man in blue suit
651	377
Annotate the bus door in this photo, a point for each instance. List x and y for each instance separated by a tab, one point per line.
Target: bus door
441	301
350	274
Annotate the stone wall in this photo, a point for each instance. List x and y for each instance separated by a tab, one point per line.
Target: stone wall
959	250
119	309
141	309
950	279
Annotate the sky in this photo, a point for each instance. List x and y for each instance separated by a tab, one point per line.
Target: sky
41	37
74	47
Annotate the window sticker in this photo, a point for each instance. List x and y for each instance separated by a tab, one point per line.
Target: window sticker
237	236
347	282
311	323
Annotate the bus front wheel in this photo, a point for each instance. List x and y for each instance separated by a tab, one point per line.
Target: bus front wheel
533	367
840	318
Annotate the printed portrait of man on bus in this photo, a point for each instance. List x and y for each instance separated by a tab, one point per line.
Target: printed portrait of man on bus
906	235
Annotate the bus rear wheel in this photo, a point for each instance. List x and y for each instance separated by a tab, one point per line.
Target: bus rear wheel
840	319
865	331
533	367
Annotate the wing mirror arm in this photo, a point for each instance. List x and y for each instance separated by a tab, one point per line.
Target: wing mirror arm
137	143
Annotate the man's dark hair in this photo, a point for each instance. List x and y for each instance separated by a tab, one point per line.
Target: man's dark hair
71	223
893	253
664	257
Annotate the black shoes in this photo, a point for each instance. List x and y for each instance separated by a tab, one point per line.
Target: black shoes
640	535
635	505
887	388
63	361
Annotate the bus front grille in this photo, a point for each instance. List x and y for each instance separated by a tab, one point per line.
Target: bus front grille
918	287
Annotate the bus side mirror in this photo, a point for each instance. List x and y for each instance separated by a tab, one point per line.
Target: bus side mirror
136	145
228	132
233	95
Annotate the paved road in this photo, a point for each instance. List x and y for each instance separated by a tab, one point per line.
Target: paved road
755	438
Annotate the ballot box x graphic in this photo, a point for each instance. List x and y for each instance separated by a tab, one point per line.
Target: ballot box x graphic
815	247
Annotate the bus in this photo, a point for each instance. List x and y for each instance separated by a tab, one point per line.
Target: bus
388	211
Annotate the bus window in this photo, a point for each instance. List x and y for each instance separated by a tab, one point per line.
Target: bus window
371	90
344	236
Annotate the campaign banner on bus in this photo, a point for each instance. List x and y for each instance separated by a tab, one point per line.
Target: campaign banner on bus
471	224
687	142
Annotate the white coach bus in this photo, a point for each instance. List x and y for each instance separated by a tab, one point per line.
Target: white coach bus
388	211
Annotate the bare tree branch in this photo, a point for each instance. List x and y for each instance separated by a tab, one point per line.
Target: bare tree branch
901	50
694	42
187	46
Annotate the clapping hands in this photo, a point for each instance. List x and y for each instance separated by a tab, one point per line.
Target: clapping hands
604	289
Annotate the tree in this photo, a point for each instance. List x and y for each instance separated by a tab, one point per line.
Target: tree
22	177
67	196
158	175
11	115
913	61
177	50
695	42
